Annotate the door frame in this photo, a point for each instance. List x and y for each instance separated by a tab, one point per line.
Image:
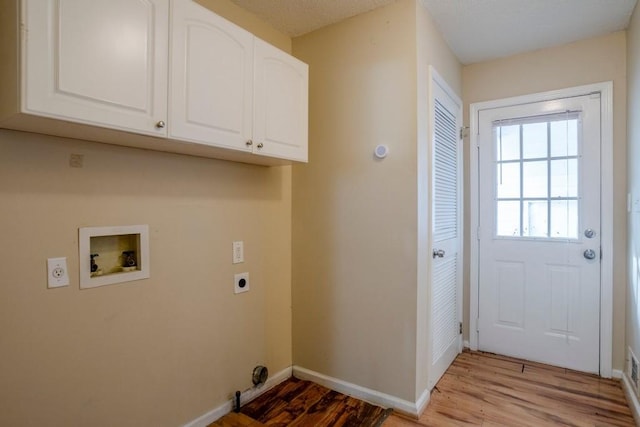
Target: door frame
606	208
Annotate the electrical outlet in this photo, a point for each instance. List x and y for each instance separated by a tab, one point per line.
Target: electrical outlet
57	274
241	283
238	252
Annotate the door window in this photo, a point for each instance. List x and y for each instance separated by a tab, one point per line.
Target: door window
536	174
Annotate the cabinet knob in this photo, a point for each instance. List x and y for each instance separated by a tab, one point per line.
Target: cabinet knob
260	145
249	143
161	124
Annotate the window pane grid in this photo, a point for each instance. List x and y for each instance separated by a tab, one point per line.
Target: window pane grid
536	188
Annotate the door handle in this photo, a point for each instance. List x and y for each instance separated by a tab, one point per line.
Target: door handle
438	253
590	254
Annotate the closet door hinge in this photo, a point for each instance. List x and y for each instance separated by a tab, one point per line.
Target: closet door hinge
464	131
460	325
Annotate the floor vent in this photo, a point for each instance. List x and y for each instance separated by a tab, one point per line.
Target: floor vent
633	370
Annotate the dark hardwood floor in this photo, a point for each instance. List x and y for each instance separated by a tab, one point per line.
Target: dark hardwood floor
302	403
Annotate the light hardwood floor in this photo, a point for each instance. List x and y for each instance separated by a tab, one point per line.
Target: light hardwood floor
483	389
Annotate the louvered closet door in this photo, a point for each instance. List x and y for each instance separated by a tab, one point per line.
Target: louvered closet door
446	258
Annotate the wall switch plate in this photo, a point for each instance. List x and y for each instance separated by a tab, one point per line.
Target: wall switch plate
57	274
241	283
238	252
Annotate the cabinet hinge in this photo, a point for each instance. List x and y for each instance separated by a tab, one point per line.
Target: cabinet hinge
460	324
478	324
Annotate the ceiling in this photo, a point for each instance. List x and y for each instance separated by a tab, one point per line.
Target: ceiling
298	17
476	30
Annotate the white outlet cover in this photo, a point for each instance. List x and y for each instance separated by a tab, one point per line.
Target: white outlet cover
57	274
240	283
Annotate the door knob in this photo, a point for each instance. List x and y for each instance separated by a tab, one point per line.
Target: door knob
249	143
589	233
260	145
438	253
161	124
590	254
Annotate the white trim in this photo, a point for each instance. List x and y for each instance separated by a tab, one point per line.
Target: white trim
247	396
440	81
413	409
632	399
606	161
143	269
606	221
616	374
421	404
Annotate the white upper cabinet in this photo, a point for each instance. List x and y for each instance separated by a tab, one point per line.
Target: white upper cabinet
231	89
165	75
281	103
211	90
97	62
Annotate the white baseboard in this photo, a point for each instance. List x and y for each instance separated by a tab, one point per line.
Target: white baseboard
413	409
422	403
246	397
632	399
616	373
465	344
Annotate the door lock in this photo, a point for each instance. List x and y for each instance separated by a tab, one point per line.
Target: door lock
590	254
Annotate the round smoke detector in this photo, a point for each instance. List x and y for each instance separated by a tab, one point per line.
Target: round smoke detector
381	151
260	375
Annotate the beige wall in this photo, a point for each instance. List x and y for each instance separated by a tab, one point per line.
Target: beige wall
355	219
584	62
633	163
160	351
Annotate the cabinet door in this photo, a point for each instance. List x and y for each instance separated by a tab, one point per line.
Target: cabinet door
102	62
211	78
281	90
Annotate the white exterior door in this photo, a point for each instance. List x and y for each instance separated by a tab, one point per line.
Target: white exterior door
539	234
98	62
446	259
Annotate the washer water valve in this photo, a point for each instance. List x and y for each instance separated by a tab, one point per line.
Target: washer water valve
94	266
129	259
